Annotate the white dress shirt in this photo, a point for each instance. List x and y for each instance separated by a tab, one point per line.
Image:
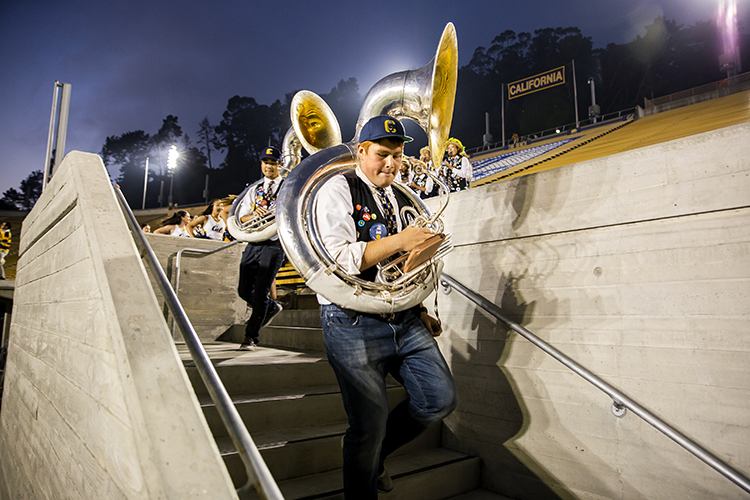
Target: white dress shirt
247	206
333	217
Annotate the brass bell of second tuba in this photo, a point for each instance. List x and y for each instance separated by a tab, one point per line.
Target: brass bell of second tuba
425	96
318	129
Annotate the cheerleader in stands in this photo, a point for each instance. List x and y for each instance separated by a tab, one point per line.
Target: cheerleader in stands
177	225
210	224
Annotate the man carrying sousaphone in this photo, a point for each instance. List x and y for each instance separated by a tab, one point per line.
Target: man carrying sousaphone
357	214
261	260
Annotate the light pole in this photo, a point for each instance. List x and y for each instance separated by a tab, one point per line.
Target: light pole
145	185
171	166
594	110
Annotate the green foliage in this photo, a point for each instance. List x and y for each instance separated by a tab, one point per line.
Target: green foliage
666	59
25	197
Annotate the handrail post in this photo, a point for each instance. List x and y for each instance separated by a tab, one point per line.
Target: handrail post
621	402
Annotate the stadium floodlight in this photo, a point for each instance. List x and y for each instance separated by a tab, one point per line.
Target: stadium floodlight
171	167
172	158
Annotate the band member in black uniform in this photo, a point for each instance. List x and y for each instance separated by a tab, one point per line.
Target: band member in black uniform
456	169
261	260
422	183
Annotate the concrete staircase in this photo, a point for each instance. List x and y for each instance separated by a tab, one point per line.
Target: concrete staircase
288	397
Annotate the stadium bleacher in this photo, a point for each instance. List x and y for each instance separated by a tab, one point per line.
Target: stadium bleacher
609	138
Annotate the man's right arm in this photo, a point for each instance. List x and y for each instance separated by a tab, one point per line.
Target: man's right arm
333	213
405	241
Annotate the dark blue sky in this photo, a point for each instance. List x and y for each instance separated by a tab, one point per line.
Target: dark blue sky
132	63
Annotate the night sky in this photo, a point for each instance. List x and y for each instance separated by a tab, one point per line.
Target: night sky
132	63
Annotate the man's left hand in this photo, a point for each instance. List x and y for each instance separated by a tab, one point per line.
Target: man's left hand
432	324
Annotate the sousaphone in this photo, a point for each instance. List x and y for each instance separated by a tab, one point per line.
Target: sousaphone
425	96
317	129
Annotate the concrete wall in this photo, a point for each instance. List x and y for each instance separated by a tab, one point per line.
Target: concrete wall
638	267
96	403
208	283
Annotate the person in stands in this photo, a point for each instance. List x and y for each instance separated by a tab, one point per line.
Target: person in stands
209	224
5	238
176	225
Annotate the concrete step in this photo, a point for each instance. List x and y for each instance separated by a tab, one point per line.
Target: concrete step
263	370
479	494
294	337
264	412
298	317
291	404
302	451
306	338
435	474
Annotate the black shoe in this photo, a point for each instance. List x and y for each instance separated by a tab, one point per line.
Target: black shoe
384	481
276	309
247	345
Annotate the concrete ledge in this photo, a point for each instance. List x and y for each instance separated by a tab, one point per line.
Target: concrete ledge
635	266
96	402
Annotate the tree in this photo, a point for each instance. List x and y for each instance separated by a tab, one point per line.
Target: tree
345	102
25	197
129	152
206	138
245	130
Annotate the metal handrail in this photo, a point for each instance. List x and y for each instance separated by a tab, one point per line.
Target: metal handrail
200	254
621	402
258	475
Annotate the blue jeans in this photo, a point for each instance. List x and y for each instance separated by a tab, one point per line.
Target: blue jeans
363	349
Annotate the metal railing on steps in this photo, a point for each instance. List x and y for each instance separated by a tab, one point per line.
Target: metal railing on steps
620	401
259	477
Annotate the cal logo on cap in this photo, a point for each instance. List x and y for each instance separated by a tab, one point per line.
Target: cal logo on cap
390	126
269	151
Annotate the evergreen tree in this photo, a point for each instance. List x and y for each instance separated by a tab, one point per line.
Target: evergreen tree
25	197
128	151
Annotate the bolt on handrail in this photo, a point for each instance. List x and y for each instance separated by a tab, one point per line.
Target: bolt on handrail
621	402
258	475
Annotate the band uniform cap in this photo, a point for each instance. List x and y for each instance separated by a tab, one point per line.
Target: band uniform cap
381	127
271	152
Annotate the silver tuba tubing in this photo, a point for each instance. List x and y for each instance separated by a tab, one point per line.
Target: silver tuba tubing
313	262
291	152
255	230
315	128
425	96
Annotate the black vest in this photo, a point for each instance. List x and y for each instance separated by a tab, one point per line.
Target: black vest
369	221
455	183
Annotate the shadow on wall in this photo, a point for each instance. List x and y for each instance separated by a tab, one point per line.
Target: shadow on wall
490	416
500	371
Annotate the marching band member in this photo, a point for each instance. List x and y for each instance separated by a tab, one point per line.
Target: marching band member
423	184
456	169
261	260
405	175
357	214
